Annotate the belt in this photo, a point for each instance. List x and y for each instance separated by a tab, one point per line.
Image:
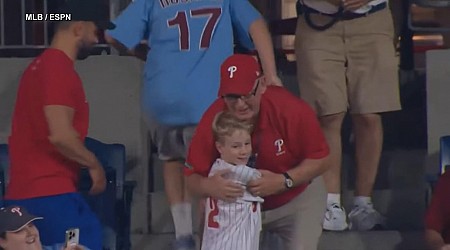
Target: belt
347	15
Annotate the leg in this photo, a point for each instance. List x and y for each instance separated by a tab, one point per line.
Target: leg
368	133
373	88
331	126
178	198
335	218
299	222
368	143
171	148
309	219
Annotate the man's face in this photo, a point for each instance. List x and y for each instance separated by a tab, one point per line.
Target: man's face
246	107
25	239
88	37
235	149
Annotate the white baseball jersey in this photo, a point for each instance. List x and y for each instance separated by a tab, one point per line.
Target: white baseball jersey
237	225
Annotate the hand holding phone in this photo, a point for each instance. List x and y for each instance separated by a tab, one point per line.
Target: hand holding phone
72	237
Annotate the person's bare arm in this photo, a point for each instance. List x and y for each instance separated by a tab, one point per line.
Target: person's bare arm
434	240
334	2
272	183
67	141
140	51
352	5
215	186
263	43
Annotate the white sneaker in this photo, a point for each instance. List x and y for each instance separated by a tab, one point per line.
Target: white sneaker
335	218
365	218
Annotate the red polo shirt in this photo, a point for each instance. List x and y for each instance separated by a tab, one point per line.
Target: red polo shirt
287	133
438	213
37	168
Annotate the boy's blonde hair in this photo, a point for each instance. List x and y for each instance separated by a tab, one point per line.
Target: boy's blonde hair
225	124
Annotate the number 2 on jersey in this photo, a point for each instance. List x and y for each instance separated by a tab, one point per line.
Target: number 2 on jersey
181	21
214	211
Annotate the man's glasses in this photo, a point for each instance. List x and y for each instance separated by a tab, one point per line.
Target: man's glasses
233	98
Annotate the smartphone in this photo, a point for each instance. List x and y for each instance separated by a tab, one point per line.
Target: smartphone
72	237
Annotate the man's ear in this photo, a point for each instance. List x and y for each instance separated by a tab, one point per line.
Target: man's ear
263	84
3	243
77	28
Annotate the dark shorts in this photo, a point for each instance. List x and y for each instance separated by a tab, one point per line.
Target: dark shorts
172	142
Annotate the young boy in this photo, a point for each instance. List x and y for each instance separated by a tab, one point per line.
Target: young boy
233	224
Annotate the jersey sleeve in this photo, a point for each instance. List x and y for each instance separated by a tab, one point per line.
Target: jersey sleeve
243	14
303	127
60	83
202	151
133	23
434	216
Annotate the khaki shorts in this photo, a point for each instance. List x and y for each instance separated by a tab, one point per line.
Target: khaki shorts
299	222
350	66
172	142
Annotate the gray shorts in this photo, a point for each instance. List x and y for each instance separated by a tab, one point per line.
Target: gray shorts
172	142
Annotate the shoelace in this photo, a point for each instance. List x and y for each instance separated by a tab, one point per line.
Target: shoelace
330	212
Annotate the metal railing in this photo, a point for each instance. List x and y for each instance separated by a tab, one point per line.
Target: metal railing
115	6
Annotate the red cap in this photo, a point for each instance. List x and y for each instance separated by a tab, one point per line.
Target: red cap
238	75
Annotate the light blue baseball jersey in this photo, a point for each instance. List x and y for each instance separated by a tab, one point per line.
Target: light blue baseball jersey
189	40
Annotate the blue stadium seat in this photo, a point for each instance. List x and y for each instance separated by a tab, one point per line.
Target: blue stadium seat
444	153
444	165
112	206
4	163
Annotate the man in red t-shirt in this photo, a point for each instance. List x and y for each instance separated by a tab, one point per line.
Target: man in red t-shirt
289	149
437	218
50	122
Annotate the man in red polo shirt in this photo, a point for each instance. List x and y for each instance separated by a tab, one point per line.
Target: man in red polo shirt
289	148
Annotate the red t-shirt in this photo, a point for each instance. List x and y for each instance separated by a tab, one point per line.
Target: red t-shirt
37	168
438	213
287	133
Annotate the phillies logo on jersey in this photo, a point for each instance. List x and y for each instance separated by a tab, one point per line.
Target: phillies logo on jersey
279	146
232	69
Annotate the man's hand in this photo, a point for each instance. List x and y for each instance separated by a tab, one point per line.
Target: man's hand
270	183
334	2
222	189
351	5
98	180
446	247
141	50
273	80
76	247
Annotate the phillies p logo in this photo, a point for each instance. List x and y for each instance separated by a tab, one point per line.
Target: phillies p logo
231	70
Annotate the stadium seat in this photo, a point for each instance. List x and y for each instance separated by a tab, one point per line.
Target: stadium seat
113	206
444	164
4	162
444	153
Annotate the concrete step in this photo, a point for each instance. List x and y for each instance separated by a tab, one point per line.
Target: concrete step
403	208
374	240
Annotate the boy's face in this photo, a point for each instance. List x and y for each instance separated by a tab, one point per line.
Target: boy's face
25	239
235	149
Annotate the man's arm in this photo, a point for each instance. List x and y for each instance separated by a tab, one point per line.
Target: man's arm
434	240
215	186
67	141
140	51
273	183
263	43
